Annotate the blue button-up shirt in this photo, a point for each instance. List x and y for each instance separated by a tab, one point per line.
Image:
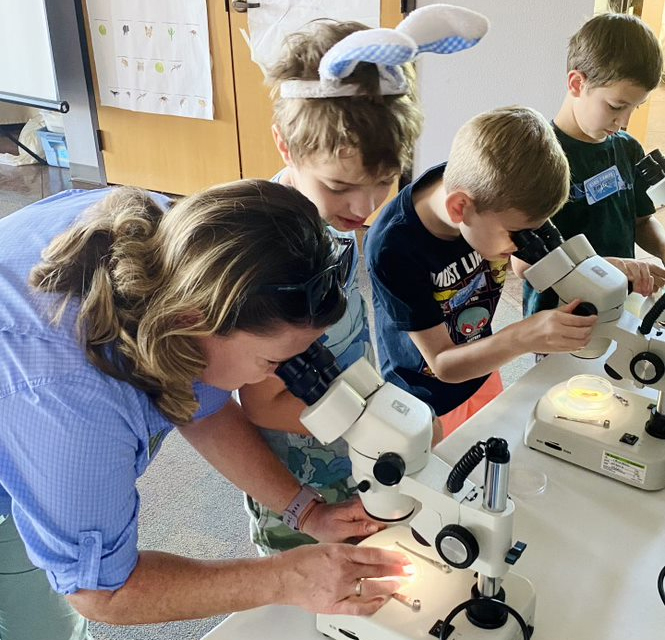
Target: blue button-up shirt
73	440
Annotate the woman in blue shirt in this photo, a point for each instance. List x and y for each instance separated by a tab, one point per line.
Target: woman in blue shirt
138	318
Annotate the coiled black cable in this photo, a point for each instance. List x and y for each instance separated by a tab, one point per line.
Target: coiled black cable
652	315
526	633
466	464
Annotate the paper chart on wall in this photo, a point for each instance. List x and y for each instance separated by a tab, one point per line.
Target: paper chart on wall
153	56
274	19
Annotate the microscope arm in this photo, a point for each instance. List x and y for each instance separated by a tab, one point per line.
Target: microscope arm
492	531
637	357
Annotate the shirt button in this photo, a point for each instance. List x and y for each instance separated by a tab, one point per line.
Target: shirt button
88	542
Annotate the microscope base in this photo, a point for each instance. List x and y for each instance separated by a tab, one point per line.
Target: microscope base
438	589
606	450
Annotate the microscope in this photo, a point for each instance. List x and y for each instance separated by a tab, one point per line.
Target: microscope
457	535
616	432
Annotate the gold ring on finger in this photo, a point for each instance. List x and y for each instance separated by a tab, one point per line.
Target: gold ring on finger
359	586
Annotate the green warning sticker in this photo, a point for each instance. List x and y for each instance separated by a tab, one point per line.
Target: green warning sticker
624	468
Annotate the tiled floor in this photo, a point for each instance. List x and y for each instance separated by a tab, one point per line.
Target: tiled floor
25	184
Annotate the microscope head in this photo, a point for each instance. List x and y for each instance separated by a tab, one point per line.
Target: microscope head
574	271
388	430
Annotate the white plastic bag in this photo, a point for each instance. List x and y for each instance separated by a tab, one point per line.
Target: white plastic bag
30	139
270	23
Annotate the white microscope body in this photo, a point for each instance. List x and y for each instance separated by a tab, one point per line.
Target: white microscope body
625	440
389	435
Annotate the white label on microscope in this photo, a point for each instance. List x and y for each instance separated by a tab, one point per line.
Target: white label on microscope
623	467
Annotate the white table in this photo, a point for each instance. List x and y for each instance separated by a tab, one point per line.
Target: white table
595	546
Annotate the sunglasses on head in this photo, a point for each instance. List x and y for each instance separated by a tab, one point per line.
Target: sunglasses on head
317	289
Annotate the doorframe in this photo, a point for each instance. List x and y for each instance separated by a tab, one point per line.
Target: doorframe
73	75
652	15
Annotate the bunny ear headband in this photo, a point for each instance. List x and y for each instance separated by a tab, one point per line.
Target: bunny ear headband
438	28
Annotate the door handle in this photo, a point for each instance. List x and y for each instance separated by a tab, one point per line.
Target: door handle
241	6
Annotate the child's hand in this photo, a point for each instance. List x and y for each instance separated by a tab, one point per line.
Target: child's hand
437	431
557	330
644	276
340	521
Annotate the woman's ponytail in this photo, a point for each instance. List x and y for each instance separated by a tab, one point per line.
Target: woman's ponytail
106	261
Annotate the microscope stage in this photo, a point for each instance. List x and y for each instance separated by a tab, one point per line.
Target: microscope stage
614	443
439	589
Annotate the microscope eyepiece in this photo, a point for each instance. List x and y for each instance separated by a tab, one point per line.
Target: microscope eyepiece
652	167
658	157
309	374
530	246
534	244
550	235
323	360
302	380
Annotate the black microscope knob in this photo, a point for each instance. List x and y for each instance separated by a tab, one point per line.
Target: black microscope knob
647	367
457	546
389	468
585	309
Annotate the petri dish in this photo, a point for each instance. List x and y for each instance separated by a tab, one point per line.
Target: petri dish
525	481
588	393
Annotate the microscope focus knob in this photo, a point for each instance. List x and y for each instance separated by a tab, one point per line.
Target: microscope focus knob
389	468
457	546
585	309
647	368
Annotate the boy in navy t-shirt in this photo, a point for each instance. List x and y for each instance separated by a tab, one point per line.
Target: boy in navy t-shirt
437	258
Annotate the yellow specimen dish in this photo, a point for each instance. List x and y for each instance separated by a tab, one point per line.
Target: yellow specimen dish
587	393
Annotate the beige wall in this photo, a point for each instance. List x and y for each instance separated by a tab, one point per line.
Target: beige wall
522	60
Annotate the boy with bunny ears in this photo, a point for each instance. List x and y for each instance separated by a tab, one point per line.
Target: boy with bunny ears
345	123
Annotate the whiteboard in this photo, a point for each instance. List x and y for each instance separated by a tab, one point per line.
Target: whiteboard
27	74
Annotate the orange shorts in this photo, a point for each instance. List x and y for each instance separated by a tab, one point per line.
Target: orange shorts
490	390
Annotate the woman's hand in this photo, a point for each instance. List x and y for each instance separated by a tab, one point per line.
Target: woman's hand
339	522
340	578
645	277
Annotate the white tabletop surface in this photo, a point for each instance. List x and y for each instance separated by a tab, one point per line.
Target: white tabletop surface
595	546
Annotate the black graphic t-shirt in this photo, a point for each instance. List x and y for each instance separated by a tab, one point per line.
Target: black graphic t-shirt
420	281
607	222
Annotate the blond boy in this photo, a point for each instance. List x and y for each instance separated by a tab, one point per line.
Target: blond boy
437	256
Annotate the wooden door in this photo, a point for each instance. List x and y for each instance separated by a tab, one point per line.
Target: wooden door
258	156
651	11
173	154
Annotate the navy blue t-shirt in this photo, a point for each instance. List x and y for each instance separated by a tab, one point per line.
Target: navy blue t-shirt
608	223
420	281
